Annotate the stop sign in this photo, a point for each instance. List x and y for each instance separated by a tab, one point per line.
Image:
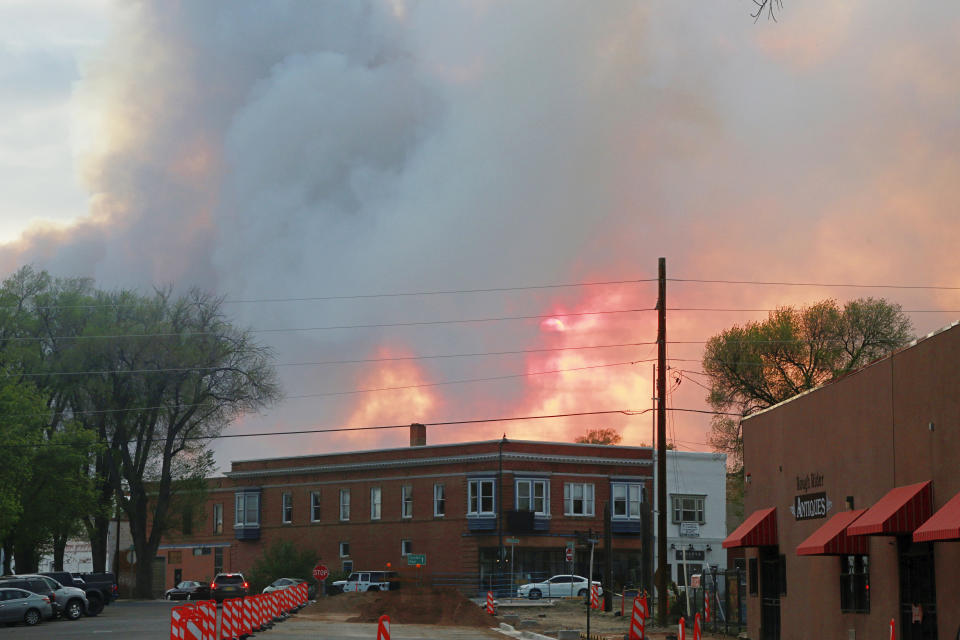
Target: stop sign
569	554
320	572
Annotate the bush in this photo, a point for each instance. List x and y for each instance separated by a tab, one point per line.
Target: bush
282	559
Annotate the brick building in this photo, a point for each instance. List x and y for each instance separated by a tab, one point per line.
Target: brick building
854	499
457	504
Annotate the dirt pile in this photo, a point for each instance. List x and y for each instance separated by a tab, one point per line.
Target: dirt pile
409	605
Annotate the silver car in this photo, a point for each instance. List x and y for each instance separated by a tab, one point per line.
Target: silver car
560	586
17	605
71	602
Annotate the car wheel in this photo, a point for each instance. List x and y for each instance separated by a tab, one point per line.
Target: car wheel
94	605
31	617
73	611
582	593
535	594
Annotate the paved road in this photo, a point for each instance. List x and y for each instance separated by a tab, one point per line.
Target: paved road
151	621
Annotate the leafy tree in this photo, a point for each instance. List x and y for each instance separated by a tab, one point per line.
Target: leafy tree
600	436
22	407
795	349
282	559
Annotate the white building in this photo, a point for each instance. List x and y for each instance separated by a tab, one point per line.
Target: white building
696	513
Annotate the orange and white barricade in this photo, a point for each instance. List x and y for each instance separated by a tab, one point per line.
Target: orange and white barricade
893	631
682	631
287	600
490	608
594	596
188	625
208	616
383	628
177	621
244	618
638	620
228	617
696	627
275	606
706	607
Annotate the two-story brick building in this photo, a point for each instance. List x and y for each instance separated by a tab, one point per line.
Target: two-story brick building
457	504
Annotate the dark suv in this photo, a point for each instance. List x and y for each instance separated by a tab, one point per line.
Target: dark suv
228	585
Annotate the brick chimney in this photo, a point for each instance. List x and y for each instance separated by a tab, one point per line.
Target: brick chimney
418	435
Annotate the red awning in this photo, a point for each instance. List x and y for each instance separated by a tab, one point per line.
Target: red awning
759	530
831	539
902	510
943	525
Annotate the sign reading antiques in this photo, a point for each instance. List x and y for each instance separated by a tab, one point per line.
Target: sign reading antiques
810	505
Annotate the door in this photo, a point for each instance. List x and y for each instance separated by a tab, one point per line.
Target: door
918	593
14	606
771	581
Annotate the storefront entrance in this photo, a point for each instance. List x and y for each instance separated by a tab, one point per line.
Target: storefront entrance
918	593
771	583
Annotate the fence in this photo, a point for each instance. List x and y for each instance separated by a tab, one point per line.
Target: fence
727	594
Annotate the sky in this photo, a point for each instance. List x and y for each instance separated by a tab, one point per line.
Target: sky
310	161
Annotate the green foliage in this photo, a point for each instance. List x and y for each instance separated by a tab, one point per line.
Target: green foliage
795	349
282	559
24	410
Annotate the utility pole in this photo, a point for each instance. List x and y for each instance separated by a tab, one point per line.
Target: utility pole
662	442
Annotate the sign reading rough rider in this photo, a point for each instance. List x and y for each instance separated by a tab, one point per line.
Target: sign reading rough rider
810	506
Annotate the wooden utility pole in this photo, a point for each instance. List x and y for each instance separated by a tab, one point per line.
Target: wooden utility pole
662	508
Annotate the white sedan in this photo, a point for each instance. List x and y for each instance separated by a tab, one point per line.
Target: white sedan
557	587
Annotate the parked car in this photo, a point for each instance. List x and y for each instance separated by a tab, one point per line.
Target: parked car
189	590
34	584
94	600
559	586
20	605
228	585
105	585
359	581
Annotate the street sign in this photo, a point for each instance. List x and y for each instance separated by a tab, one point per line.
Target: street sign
320	572
512	540
569	552
414	559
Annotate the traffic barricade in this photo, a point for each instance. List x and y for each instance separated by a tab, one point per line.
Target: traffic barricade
228	616
208	616
246	617
383	627
490	608
638	619
594	596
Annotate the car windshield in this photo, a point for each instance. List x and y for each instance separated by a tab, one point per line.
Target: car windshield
353	577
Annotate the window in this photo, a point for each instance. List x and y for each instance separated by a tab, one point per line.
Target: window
406	501
314	506
344	504
688	509
439	500
287	507
374	503
344	549
406	546
175	557
202	551
247	510
348	566
533	495
577	499
855	584
218	518
753	577
480	498
218	560
627	497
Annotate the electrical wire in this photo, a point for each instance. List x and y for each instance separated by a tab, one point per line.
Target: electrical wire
820	284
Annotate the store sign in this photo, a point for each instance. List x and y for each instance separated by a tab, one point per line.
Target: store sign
690	529
810	506
694	555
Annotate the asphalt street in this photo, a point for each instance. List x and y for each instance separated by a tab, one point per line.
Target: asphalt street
150	620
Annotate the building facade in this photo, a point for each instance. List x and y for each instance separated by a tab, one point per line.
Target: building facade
453	507
853	496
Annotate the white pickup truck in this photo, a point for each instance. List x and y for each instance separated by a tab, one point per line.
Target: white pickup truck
368	581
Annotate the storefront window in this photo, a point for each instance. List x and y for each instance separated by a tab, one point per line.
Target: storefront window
855	584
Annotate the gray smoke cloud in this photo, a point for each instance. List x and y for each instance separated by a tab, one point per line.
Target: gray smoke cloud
306	149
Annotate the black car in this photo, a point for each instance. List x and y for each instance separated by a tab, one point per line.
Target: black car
228	585
189	590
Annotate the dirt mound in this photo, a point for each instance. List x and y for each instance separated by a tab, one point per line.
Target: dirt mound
419	605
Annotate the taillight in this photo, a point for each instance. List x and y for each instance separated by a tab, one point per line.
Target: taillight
53	598
213	585
116	591
46	599
246	585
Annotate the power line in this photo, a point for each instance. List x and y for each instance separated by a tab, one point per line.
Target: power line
820	284
350	361
378	325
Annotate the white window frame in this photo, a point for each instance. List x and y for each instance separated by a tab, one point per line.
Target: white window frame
246	509
344	505
344	546
476	495
631	495
376	495
406	547
315	513
439	500
286	507
406	501
571	491
698	508
218	518
531	498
